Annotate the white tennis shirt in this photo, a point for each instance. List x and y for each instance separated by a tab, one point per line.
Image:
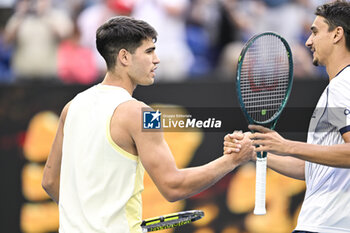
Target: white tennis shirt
100	184
326	206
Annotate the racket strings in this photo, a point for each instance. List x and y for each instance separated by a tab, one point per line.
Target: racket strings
264	77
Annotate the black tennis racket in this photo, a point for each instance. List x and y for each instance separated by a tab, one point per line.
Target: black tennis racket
171	220
264	82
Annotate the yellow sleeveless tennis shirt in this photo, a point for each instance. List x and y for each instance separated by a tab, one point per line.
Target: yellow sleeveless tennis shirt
100	183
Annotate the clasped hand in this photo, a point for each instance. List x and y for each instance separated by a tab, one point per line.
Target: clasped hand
264	139
239	145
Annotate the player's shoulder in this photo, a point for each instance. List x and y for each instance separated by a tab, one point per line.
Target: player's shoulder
338	90
342	78
131	111
65	111
133	105
341	83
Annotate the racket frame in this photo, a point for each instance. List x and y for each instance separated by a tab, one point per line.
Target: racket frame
270	123
171	220
261	162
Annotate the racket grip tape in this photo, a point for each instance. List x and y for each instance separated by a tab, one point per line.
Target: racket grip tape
260	186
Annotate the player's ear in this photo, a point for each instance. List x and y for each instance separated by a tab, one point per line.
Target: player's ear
124	57
338	34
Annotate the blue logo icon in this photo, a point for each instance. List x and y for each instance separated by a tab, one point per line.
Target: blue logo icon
151	119
346	111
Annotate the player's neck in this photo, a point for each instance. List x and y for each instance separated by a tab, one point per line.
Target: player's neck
113	79
336	65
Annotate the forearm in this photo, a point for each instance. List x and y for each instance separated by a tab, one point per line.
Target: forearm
335	155
190	181
52	170
52	189
54	194
286	165
51	183
195	180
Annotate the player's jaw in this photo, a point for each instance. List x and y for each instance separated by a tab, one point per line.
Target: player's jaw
147	78
143	72
153	71
315	60
309	43
314	51
319	56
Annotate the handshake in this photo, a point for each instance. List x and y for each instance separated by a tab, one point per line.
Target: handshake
245	145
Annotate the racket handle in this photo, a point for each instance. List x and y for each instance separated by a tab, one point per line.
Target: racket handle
260	186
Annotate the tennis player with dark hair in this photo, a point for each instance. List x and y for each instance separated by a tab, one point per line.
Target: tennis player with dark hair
324	161
95	168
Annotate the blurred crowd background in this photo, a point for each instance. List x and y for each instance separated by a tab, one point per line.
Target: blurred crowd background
54	40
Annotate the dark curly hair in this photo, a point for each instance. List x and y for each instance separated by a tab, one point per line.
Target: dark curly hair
336	14
122	32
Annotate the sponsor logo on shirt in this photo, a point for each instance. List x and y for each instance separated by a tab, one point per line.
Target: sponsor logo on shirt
346	111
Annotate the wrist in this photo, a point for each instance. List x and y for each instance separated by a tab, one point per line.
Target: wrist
229	162
291	147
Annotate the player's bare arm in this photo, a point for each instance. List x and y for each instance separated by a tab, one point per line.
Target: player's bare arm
334	155
175	184
52	170
287	165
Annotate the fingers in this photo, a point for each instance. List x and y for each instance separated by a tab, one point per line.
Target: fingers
237	134
229	138
258	142
259	128
233	142
234	137
248	133
255	136
230	150
230	147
